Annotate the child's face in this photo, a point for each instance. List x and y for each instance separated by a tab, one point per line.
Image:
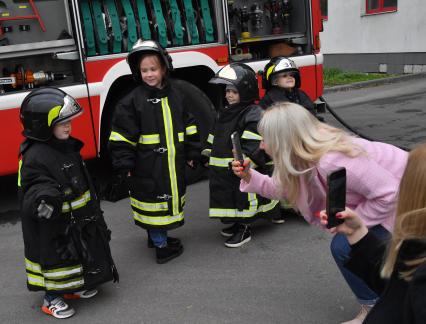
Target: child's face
62	131
232	96
265	147
285	80
152	72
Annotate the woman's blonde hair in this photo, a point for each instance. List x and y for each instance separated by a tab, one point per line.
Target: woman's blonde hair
297	141
410	221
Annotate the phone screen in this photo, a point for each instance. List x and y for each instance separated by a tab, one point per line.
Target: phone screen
336	196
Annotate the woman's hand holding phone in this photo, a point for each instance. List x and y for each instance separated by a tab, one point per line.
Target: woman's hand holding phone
242	171
353	226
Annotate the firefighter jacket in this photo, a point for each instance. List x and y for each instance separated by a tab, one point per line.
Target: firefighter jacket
276	94
69	251
153	135
227	202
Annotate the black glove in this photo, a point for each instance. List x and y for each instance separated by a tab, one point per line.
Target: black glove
118	187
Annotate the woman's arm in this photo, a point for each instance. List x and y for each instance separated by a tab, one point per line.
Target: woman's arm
376	188
253	181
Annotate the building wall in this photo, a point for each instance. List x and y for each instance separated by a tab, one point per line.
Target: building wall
391	42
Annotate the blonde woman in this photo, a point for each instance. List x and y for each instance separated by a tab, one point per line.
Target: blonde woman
402	279
304	150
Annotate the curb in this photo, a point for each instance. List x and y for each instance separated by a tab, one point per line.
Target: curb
373	83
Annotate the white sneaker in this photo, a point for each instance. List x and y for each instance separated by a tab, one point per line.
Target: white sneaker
57	308
365	309
84	294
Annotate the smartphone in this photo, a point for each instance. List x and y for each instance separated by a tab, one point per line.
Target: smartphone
236	145
336	196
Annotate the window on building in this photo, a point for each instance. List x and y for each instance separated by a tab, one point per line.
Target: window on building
377	6
324	9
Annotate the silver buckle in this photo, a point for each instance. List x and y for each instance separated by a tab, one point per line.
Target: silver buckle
164	197
160	150
154	101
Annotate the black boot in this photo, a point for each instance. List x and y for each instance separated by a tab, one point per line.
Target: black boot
167	253
171	241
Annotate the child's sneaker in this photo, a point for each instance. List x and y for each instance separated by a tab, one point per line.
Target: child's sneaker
229	231
84	294
278	219
57	308
241	236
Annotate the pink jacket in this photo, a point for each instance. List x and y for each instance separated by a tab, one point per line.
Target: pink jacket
372	183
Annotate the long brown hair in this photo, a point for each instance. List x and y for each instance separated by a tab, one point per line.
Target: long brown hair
410	221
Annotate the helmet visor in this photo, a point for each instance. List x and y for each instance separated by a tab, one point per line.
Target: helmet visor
69	110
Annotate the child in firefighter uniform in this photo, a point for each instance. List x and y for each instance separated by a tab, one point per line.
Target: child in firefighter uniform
153	137
240	114
281	79
66	239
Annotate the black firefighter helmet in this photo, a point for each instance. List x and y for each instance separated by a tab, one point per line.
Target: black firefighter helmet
143	47
277	65
43	108
242	77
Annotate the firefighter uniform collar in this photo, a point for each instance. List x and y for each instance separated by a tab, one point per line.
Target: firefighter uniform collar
154	92
69	145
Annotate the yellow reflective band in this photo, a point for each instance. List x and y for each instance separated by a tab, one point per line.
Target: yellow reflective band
53	113
253	202
220	162
149	139
54	285
116	137
250	135
191	130
210	139
171	153
206	152
61	273
157	220
53	273
269	71
40	278
246	213
35	280
181	136
32	266
77	203
19	172
146	206
270	163
182	200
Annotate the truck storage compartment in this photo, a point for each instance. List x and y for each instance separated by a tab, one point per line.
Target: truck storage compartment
260	29
113	26
33	35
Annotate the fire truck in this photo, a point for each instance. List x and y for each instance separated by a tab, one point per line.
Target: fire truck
81	47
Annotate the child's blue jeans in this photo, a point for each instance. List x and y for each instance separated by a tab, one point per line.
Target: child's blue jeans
158	237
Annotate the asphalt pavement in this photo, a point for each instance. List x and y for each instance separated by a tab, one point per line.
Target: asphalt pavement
284	275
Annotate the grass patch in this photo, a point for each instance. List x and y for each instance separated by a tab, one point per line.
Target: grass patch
334	76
